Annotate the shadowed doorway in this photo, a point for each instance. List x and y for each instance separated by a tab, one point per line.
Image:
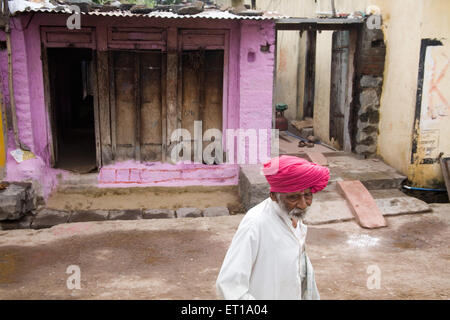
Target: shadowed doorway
72	109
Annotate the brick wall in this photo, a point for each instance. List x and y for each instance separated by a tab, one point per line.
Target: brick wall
372	51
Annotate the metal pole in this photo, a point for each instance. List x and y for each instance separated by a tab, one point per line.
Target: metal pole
333	8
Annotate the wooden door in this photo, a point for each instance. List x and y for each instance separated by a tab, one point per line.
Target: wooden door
124	94
310	70
136	104
202	90
151	106
339	85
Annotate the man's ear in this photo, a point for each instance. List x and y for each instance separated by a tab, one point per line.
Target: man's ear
273	196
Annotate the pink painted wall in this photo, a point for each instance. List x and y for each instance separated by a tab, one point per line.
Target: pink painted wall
36	91
256	72
30	110
20	83
249	95
256	75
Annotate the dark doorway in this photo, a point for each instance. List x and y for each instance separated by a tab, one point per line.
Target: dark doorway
72	108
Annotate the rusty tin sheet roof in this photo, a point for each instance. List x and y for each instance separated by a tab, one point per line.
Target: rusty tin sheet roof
207	14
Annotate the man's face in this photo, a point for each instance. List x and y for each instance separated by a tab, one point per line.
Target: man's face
294	203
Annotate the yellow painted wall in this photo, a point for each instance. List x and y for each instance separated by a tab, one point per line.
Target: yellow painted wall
436	100
286	80
347	6
323	65
405	23
322	86
289	63
401	28
292	50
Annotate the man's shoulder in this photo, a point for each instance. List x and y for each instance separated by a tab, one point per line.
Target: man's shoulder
257	214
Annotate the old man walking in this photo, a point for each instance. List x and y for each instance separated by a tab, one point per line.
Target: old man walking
266	259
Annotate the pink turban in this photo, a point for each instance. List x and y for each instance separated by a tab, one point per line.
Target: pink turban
295	174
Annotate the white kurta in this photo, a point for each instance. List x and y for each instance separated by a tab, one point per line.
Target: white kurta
266	259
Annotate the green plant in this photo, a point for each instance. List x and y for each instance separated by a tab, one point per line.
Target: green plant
102	2
150	3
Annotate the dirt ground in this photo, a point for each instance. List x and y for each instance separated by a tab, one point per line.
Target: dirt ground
180	258
144	198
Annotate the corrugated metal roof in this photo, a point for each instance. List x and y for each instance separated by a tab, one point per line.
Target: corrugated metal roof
207	14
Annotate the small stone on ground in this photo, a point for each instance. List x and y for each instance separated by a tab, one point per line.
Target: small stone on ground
158	214
125	215
88	215
189	213
47	218
216	212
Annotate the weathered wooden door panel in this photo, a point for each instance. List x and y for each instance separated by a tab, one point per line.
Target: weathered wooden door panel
94	85
192	71
103	77
151	106
136	105
202	90
52	83
125	115
339	84
61	37
212	110
310	70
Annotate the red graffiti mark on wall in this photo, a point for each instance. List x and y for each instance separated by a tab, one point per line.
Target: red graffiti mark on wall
282	62
433	111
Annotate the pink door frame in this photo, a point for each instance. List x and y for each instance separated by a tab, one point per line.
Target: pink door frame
62	37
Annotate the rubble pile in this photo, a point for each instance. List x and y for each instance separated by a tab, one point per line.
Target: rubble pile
16	200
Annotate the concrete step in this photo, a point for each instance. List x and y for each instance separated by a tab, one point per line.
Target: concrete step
374	174
78	180
330	206
253	186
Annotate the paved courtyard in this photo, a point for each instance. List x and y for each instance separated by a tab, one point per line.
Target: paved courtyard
180	258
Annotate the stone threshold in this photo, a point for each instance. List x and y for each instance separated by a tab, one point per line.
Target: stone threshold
47	217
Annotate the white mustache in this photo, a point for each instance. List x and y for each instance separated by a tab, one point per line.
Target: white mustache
297	212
